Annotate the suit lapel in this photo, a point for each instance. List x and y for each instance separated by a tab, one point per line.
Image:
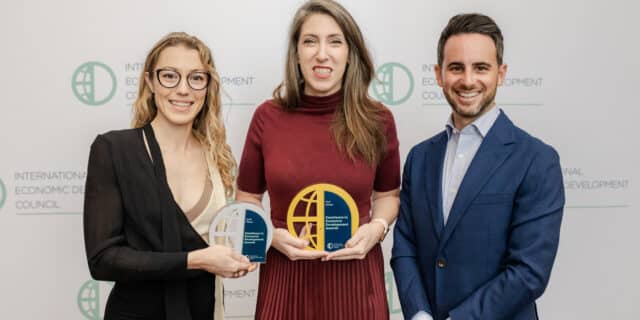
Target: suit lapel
494	150
433	180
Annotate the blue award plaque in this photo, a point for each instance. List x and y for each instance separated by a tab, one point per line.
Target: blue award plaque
327	214
245	228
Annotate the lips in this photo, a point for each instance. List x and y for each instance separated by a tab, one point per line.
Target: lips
322	72
467	96
181	105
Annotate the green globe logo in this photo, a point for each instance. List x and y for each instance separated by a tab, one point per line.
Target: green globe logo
93	83
90	297
3	194
394	84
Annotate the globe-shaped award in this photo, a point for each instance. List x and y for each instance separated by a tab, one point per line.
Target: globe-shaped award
326	214
245	228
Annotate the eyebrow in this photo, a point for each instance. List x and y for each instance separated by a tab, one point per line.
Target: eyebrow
328	36
475	64
176	70
482	64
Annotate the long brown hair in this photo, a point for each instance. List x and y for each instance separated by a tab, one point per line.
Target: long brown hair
208	127
357	126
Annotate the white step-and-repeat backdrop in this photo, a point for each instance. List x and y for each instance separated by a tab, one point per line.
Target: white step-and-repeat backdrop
572	81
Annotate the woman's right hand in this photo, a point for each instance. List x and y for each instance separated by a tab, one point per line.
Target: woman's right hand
293	247
220	260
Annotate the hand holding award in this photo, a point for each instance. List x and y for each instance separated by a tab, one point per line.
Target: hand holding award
243	227
325	214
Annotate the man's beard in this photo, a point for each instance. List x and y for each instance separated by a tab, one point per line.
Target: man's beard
474	113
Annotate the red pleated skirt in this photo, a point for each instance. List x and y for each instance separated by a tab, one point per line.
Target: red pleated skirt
312	289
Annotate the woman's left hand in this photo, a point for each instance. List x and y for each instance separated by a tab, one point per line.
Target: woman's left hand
359	245
242	273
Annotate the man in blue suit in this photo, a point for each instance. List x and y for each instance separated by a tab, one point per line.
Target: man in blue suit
481	202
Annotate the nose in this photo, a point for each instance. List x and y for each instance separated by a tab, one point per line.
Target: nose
183	87
322	54
467	78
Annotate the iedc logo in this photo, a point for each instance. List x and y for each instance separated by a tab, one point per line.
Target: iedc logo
3	194
92	297
93	83
393	84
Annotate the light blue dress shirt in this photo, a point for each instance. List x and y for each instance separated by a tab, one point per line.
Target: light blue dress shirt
461	148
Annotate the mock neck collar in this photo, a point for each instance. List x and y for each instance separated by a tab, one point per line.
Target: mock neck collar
320	105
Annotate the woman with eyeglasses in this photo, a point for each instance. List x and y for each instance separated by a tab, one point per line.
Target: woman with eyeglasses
322	127
152	192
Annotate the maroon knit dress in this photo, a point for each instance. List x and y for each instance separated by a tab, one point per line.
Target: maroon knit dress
285	152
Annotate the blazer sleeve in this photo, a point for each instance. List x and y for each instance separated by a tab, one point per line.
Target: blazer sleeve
532	245
109	256
412	294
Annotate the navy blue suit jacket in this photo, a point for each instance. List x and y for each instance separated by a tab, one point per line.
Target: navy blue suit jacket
493	258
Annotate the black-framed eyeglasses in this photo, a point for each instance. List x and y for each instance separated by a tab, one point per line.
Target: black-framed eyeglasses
169	78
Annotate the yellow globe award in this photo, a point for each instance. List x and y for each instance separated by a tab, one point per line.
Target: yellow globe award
327	214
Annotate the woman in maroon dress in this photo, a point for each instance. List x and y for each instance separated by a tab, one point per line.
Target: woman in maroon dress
322	127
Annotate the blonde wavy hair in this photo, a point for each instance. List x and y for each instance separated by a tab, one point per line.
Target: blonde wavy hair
208	126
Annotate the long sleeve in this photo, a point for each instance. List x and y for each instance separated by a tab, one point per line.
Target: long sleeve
388	171
532	246
251	175
110	256
412	294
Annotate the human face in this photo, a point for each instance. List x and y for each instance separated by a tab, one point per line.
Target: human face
322	55
469	76
178	105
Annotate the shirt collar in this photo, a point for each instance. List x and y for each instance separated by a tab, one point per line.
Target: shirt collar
480	125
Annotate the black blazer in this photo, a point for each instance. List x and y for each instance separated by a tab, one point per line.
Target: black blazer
136	235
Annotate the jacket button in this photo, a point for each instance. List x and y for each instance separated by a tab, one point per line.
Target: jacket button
441	263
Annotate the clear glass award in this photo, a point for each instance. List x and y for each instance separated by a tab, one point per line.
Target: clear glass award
325	214
245	228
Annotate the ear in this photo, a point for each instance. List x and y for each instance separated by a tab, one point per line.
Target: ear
438	73
502	73
148	81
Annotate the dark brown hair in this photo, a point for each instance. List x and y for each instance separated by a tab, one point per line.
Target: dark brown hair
471	23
